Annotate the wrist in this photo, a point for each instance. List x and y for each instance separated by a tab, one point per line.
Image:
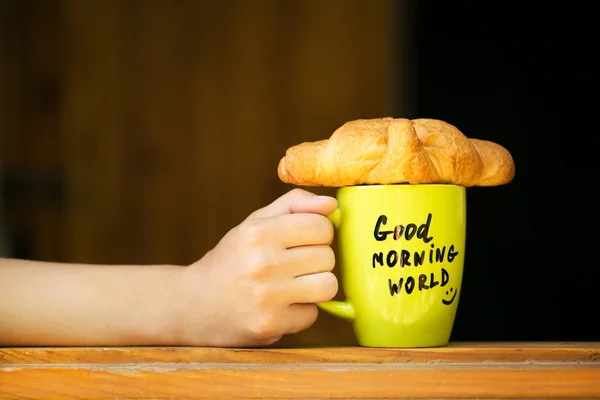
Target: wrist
192	317
161	318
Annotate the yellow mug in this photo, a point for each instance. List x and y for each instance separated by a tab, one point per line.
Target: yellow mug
401	252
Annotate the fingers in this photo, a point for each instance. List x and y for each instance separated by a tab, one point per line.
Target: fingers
297	201
298	317
308	260
312	288
291	263
279	262
294	230
287	231
294	316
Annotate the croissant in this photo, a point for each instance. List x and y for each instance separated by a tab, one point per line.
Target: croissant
397	150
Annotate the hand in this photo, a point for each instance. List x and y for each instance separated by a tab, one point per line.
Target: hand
262	279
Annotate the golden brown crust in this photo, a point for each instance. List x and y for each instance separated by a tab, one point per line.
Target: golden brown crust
397	150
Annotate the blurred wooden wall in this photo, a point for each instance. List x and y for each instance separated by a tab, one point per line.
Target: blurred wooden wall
141	131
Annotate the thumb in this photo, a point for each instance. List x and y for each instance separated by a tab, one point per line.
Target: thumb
297	201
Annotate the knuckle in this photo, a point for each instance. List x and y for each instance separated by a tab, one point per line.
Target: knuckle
259	295
327	258
312	313
306	315
313	318
324	227
265	327
329	285
253	232
297	192
259	264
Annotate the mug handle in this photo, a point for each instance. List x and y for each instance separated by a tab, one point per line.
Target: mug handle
341	309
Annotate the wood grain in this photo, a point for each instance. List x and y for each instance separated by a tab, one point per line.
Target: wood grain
460	370
455	353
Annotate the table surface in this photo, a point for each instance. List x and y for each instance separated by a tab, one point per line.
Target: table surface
457	371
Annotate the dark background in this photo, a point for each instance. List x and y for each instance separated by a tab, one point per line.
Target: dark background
522	74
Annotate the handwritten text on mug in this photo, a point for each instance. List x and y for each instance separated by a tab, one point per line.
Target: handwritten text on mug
405	258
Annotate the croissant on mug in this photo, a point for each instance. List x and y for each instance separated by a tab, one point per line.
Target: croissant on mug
397	150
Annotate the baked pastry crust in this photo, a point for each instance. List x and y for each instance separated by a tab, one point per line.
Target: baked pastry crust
397	150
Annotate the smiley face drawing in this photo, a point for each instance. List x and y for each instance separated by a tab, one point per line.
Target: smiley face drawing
448	302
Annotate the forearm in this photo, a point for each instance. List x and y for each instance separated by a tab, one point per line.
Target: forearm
86	305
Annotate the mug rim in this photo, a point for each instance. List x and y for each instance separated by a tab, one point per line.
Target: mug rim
396	185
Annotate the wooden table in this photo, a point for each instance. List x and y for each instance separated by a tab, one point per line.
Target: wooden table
460	370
